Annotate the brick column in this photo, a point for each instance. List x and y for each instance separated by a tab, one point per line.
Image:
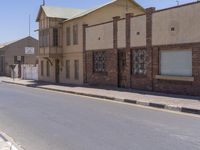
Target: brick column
128	49
149	12
115	30
115	50
84	54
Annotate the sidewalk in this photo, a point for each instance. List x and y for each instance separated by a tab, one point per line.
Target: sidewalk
188	104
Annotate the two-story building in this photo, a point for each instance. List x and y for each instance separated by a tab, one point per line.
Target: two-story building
61	32
157	51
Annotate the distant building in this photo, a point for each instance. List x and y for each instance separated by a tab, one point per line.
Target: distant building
16	53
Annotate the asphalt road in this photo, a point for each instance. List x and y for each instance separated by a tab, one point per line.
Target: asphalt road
43	120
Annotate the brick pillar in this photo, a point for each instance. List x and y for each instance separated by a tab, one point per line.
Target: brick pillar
84	54
115	30
115	50
128	49
149	12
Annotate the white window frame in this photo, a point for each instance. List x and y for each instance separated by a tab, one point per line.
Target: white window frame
177	72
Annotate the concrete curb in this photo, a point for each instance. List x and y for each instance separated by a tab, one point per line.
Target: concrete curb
10	143
130	101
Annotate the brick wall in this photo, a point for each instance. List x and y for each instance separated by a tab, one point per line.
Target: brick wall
110	78
147	81
178	87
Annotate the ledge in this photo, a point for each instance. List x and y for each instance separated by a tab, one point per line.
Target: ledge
174	78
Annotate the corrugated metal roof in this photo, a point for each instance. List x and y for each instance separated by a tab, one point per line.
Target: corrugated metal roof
60	12
70	13
98	7
11	42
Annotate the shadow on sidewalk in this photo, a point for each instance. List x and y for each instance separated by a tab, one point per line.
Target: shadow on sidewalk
115	89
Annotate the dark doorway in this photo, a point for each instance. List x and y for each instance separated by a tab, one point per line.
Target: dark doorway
122	78
57	71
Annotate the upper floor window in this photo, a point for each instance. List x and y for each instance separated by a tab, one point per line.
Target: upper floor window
68	36
75	34
55	37
43	38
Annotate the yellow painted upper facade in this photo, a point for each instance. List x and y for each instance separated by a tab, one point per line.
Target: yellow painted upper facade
176	25
104	14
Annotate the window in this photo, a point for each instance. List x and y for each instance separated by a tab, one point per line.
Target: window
1	64
15	60
99	59
19	59
76	66
176	62
55	37
75	34
42	68
140	62
68	36
43	38
48	68
67	69
22	59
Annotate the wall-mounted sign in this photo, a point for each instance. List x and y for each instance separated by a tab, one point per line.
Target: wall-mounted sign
29	50
19	58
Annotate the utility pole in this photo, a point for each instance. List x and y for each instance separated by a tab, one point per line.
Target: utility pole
29	25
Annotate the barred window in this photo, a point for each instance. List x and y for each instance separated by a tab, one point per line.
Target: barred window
140	62
99	61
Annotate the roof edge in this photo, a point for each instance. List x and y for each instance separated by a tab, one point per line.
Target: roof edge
104	5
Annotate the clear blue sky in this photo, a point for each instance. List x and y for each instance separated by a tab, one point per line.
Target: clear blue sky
14	13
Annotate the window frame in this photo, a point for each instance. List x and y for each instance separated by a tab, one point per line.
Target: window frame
67	69
68	36
42	68
145	63
55	37
75	34
47	68
102	62
175	50
76	69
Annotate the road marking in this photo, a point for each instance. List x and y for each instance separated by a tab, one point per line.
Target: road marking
118	102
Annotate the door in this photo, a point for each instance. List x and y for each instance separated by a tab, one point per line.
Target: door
122	78
57	71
